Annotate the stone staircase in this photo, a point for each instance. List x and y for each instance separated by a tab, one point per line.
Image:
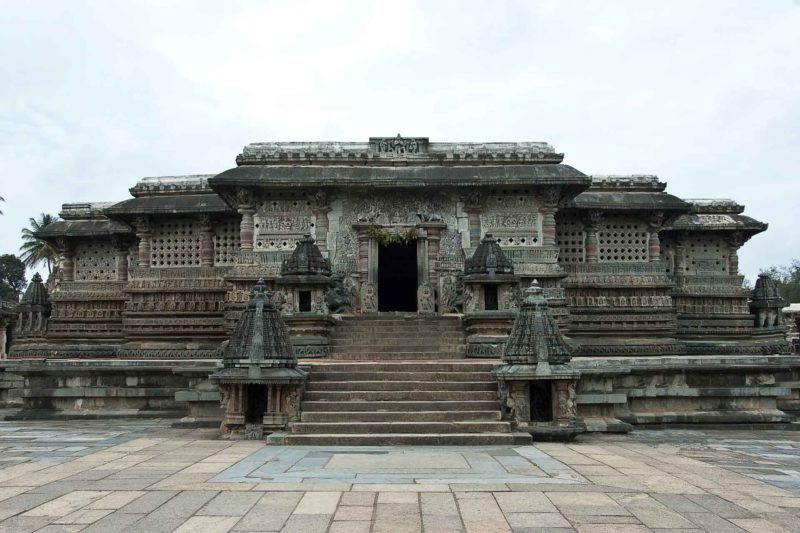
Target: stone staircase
397	403
397	336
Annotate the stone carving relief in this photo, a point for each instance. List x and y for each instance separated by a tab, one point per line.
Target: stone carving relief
340	298
426	298
510	296
398	208
279	224
369	297
282	301
452	293
513	218
397	146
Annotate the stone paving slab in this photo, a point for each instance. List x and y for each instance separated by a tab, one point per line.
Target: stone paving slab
144	476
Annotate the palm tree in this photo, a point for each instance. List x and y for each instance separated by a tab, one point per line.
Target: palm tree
34	250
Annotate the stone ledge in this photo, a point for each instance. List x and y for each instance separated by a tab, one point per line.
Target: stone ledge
601	398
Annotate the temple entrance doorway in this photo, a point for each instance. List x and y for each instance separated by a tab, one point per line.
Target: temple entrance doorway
397	277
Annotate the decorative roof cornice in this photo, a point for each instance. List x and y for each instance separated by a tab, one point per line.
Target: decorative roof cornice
633	182
714	205
84	210
400	150
167	185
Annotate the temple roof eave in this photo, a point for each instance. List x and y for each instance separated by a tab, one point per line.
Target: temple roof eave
299	176
717	222
628	201
83	228
188	204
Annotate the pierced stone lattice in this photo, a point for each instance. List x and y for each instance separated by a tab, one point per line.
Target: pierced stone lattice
570	238
226	241
175	244
707	255
281	221
511	216
623	240
95	261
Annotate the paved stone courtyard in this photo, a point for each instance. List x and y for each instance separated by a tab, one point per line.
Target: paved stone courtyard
146	476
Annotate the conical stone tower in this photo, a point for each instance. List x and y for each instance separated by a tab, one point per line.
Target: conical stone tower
537	383
259	382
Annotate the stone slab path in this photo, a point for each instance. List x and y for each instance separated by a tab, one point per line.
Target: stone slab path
146	476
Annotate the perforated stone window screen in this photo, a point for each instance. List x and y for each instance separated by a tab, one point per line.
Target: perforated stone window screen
281	221
175	244
506	199
95	261
511	217
623	240
707	254
226	241
570	238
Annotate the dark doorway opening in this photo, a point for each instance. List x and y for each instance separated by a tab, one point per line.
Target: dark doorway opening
256	404
490	298
397	277
541	401
304	302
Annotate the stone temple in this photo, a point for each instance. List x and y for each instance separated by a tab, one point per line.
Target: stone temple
397	268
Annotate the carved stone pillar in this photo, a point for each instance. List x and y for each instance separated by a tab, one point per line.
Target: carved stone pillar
473	205
244	201
143	232
320	207
68	265
321	228
206	242
121	249
423	267
591	245
548	200
362	261
246	228
434	239
655	223
735	241
4	322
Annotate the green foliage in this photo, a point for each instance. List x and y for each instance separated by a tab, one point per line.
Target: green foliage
386	238
12	277
36	251
788	279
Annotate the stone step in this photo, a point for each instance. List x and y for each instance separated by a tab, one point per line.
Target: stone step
397	329
317	386
397	439
398	416
401	405
398	395
394	356
314	428
326	375
387	347
404	366
368	338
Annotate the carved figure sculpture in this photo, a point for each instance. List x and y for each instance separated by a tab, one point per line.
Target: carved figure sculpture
426	299
369	297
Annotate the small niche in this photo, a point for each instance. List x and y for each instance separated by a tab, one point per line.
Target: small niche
256	403
490	297
541	401
304	301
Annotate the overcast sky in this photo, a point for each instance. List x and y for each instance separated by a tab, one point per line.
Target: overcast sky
704	94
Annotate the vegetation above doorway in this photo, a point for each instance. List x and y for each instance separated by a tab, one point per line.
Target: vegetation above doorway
387	238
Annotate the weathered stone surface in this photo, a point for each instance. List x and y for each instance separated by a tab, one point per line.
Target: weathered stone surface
632	275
